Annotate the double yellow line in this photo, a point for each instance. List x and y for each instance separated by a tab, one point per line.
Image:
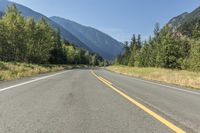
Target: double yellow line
147	110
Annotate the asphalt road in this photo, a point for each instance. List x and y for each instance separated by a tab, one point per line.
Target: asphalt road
76	101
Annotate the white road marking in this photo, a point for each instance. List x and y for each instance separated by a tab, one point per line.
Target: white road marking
31	81
175	88
151	82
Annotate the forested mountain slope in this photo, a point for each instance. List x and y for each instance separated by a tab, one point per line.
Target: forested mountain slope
29	12
81	36
96	40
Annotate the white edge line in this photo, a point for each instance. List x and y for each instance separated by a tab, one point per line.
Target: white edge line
175	88
31	81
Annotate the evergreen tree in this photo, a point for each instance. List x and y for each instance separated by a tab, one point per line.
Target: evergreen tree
144	56
57	53
125	57
156	29
133	50
139	43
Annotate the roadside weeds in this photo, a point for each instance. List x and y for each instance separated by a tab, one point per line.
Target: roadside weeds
176	77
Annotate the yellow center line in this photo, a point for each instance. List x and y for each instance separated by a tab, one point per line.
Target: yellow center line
105	80
147	110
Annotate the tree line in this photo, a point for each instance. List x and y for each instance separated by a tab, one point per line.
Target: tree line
25	40
167	49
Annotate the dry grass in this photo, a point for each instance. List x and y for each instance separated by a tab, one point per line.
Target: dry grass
178	77
13	70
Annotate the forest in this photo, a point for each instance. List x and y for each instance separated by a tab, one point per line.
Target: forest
178	49
29	41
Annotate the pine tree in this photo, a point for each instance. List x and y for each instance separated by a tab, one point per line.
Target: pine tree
125	57
156	29
57	53
139	43
144	56
133	50
152	52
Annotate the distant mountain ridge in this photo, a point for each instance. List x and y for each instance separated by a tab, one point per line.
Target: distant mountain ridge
178	20
98	41
82	36
186	17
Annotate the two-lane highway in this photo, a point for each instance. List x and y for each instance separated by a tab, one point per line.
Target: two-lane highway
76	101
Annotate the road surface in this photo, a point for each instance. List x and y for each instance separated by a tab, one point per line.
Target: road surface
78	101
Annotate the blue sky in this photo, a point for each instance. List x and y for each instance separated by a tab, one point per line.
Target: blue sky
118	18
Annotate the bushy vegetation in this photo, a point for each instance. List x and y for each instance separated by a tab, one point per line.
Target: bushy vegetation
167	49
15	70
25	40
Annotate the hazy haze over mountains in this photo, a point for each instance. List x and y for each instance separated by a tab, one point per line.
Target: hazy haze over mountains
82	36
94	39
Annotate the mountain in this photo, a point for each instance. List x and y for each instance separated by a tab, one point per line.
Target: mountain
28	12
82	36
178	20
96	40
184	18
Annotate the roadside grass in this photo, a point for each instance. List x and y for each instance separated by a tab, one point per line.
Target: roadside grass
15	70
177	77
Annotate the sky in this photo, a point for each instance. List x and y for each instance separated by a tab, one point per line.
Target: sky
118	18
